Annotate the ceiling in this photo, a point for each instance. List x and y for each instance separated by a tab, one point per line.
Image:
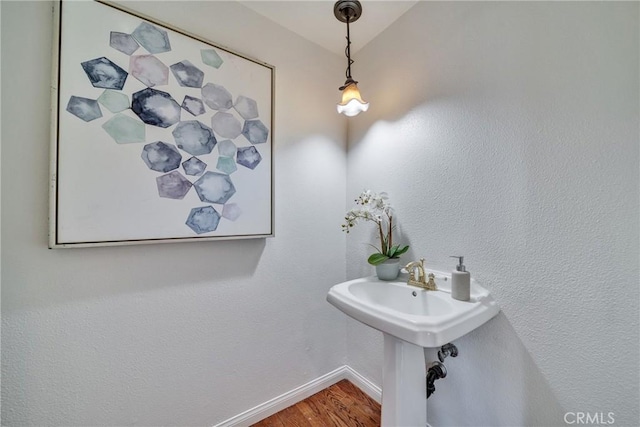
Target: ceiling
314	20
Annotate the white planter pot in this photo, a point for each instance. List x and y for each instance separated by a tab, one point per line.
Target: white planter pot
388	270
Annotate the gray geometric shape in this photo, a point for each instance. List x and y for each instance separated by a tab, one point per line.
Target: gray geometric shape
211	58
194	137
123	42
226	125
84	108
173	185
124	129
161	157
114	101
231	211
227	148
226	165
203	220
104	74
194	166
193	105
155	40
149	70
255	131
216	97
246	107
187	74
248	157
156	108
214	187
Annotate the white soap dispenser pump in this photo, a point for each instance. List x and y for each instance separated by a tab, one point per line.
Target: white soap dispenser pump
460	281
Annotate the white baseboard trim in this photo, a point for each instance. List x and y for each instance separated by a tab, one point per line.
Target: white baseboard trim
368	387
298	394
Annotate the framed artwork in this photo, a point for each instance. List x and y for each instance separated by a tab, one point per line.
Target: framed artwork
157	135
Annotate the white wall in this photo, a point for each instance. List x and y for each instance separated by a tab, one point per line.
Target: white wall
176	334
508	132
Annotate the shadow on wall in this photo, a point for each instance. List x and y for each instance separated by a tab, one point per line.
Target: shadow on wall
493	382
63	275
493	365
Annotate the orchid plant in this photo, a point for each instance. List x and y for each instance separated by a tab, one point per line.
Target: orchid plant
375	207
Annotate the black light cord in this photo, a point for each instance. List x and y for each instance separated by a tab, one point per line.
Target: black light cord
347	51
348	13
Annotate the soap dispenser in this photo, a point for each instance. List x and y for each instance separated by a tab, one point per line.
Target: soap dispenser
460	281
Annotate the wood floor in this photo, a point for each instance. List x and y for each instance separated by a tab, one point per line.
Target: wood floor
342	404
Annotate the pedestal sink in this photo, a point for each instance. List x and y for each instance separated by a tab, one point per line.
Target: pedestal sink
410	319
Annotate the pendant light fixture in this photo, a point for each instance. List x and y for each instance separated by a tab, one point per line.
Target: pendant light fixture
352	103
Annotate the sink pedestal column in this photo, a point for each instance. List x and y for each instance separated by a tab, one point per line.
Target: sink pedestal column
404	390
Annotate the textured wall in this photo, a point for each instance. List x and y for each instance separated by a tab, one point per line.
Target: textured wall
508	132
503	131
175	334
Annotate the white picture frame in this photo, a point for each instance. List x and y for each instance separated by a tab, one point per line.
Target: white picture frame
157	135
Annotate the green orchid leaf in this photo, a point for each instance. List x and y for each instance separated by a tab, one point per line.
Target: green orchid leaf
376	259
396	251
401	251
392	252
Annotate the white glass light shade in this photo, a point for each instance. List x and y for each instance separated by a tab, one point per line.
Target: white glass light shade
352	103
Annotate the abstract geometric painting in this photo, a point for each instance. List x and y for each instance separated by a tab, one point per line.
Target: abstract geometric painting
158	136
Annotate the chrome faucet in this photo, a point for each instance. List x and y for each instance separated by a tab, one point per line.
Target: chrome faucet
421	279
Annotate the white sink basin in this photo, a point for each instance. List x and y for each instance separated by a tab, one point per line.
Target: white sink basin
424	318
410	319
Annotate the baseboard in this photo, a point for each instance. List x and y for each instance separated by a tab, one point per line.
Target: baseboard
369	388
298	394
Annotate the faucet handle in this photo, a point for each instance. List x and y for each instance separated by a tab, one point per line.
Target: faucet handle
431	284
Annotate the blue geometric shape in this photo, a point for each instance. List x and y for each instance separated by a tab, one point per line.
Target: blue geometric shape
194	166
255	131
194	137
211	58
123	42
187	74
84	108
156	108
124	129
214	187
104	74
203	220
226	165
216	97
248	157
231	211
154	39
193	105
149	70
226	125
161	157
115	101
173	185
227	148
246	107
